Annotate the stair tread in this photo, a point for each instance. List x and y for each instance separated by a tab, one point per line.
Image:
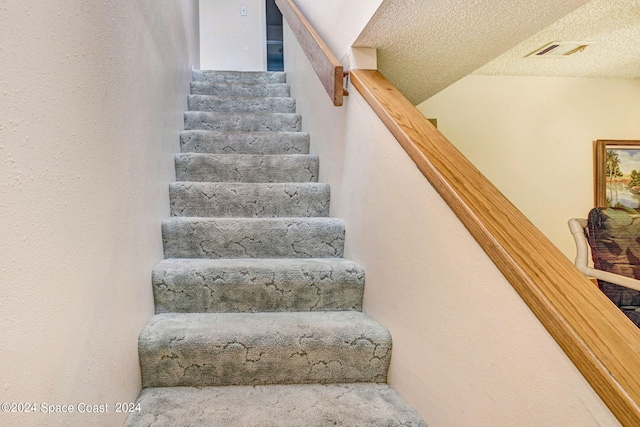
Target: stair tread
242	121
240	199
231	76
239	89
259	186
241	104
237	84
240	97
203	237
241	156
249	168
200	349
353	405
243	142
267	222
216	114
237	97
203	327
261	263
257	285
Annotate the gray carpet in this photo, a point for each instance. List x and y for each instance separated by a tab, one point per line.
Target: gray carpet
258	317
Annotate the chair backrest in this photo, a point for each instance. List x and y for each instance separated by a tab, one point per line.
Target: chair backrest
614	237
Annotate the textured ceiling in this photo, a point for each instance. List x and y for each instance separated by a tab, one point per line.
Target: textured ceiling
613	26
426	45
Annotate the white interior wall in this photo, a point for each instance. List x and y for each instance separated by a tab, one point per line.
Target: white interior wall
93	95
230	41
466	349
339	22
533	138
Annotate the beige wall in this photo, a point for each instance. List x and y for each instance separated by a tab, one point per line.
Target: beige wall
532	137
230	41
92	95
466	349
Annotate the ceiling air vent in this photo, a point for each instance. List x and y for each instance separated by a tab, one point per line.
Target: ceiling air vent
558	50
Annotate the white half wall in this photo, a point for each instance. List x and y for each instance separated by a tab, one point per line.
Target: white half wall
466	350
93	95
533	138
231	41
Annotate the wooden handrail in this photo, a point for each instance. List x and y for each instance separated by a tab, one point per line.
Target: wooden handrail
323	61
602	343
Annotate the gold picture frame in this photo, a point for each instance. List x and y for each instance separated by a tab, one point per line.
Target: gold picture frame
617	173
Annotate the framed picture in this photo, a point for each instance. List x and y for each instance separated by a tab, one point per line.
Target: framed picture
617	173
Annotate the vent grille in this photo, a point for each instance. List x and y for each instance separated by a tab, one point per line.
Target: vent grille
558	49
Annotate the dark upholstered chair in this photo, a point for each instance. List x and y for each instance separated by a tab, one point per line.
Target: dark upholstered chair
614	237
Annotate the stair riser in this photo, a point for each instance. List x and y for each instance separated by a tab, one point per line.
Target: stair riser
249	200
245	122
198	141
226	168
255	349
240	89
251	77
253	238
237	104
232	286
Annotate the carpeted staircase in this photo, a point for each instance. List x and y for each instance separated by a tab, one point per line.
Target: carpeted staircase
259	318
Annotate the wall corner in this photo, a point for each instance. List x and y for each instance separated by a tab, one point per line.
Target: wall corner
365	58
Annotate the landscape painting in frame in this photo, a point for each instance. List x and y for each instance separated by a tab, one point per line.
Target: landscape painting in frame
617	174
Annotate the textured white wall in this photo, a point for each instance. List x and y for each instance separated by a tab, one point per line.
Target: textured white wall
230	41
533	138
466	349
424	46
92	95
